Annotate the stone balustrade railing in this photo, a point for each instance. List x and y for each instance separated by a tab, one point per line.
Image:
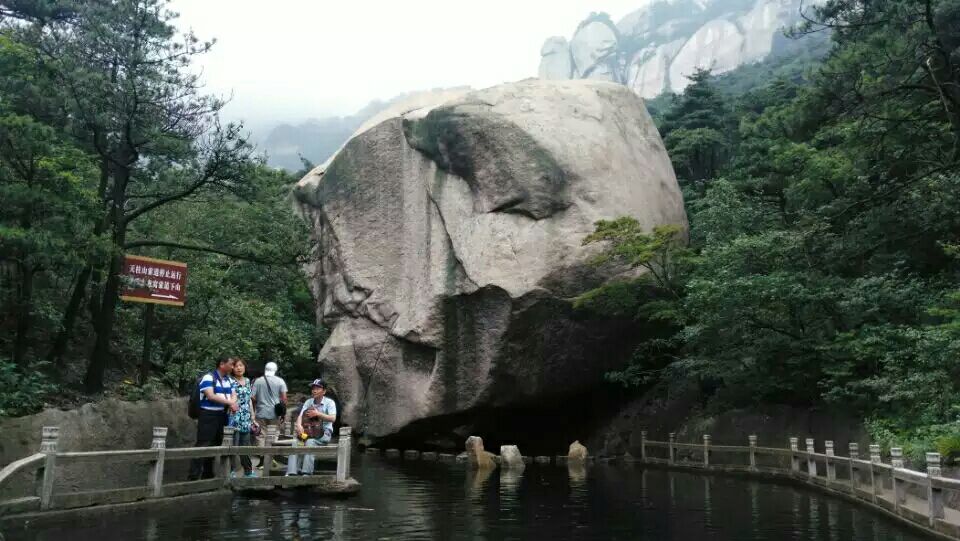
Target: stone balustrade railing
911	496
46	462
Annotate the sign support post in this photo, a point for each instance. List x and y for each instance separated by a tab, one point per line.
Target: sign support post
147	342
152	281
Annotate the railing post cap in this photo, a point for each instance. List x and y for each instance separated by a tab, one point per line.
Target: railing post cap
48	439
854	445
643	433
933	458
159	437
752	438
229	429
345	430
706	437
896	451
874	448
809	441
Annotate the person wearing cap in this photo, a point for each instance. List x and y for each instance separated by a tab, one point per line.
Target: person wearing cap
269	396
267	393
318	409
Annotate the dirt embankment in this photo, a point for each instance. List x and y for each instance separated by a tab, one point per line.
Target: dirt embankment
108	424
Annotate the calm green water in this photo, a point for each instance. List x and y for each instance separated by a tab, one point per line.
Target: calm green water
418	500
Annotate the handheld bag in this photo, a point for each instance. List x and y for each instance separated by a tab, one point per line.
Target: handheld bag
279	409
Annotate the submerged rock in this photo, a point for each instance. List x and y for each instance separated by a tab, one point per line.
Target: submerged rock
450	246
577	453
510	457
477	456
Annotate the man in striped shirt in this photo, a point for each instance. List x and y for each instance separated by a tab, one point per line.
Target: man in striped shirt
216	397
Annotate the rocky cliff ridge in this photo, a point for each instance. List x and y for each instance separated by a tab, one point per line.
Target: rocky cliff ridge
655	48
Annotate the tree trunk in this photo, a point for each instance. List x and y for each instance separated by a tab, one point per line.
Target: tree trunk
103	326
25	291
24	315
99	228
105	316
80	288
145	357
65	332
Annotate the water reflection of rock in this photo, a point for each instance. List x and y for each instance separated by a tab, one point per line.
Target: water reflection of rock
477	482
476	488
577	474
510	484
578	484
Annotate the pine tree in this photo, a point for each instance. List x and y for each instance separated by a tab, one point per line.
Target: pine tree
696	132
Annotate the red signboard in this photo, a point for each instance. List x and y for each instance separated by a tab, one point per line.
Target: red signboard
154	280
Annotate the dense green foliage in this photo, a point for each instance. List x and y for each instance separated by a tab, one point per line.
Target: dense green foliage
824	211
109	147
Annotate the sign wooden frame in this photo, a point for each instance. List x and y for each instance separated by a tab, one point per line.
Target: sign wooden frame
154	281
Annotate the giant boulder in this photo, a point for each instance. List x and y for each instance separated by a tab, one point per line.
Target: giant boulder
450	246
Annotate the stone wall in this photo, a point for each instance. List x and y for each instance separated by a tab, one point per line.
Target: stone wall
661	412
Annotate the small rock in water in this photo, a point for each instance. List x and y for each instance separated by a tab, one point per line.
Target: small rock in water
510	457
477	456
577	453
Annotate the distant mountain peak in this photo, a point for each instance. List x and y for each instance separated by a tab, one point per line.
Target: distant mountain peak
655	48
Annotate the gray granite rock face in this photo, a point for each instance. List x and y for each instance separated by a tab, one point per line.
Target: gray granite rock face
450	244
657	47
592	48
555	61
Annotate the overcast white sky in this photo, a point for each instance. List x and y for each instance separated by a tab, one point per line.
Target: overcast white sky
289	60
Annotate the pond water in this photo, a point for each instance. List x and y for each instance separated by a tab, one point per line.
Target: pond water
417	500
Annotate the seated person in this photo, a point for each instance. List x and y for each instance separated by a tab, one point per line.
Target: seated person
316	422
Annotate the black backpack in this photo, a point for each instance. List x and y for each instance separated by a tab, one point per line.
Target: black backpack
193	405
